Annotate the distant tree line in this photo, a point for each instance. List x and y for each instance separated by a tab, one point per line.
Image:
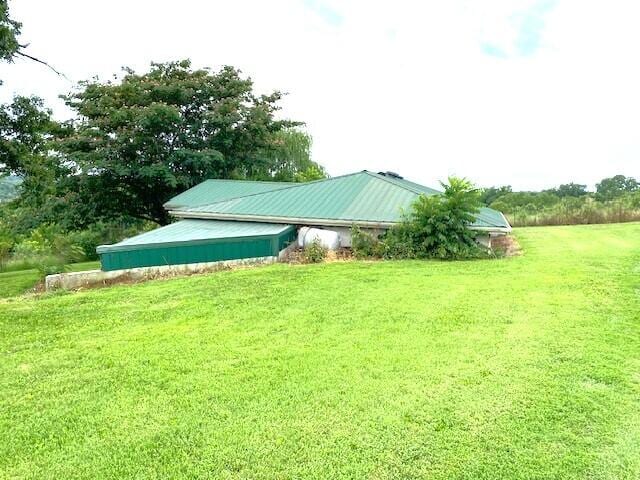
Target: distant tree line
616	199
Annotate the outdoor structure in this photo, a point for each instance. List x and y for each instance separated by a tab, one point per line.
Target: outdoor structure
197	241
222	220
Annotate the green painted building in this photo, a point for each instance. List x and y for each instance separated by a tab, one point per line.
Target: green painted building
236	219
197	241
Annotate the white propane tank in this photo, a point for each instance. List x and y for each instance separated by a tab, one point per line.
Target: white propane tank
329	239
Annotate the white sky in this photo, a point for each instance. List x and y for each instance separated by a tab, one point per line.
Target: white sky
531	93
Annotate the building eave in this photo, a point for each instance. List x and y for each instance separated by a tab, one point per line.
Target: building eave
324	222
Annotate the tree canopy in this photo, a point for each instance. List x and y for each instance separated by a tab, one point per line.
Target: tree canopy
569	190
289	159
26	129
489	195
149	136
27	132
9	33
28	135
616	186
616	199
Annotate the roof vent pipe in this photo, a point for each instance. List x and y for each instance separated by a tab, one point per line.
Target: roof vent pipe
390	174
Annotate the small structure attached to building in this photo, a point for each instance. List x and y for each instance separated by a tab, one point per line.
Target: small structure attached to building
197	241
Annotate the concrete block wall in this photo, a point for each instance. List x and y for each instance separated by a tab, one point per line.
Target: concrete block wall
89	278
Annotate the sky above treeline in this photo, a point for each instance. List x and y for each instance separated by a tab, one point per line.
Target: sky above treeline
504	92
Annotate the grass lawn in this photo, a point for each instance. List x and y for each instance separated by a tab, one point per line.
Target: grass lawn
522	368
18	282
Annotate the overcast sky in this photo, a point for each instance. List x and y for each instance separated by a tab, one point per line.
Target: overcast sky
528	93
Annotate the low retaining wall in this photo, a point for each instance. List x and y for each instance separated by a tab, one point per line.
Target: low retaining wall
284	253
73	280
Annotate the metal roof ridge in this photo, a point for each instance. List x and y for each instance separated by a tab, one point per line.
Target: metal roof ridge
382	177
240	180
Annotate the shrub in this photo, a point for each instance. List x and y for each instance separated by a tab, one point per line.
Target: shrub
63	252
315	252
104	233
5	251
365	245
6	245
49	266
29	251
49	247
438	225
87	241
47	250
395	246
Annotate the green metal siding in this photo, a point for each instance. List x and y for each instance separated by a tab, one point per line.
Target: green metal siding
189	231
213	250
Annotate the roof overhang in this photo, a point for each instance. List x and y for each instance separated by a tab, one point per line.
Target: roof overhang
491	229
324	222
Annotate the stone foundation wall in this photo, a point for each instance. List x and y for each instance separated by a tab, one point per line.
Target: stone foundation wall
91	278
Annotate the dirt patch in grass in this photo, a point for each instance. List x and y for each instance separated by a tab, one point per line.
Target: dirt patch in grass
506	246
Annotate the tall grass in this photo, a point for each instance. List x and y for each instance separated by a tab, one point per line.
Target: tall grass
18	264
575	211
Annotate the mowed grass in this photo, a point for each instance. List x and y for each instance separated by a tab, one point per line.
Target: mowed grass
521	368
19	282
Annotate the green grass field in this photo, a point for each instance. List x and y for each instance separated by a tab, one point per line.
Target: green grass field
521	368
18	282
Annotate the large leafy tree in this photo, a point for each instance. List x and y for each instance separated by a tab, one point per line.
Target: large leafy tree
569	190
491	194
26	130
9	32
288	158
27	135
616	186
147	137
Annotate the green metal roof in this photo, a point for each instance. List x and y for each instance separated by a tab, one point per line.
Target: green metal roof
363	198
190	231
211	191
404	183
